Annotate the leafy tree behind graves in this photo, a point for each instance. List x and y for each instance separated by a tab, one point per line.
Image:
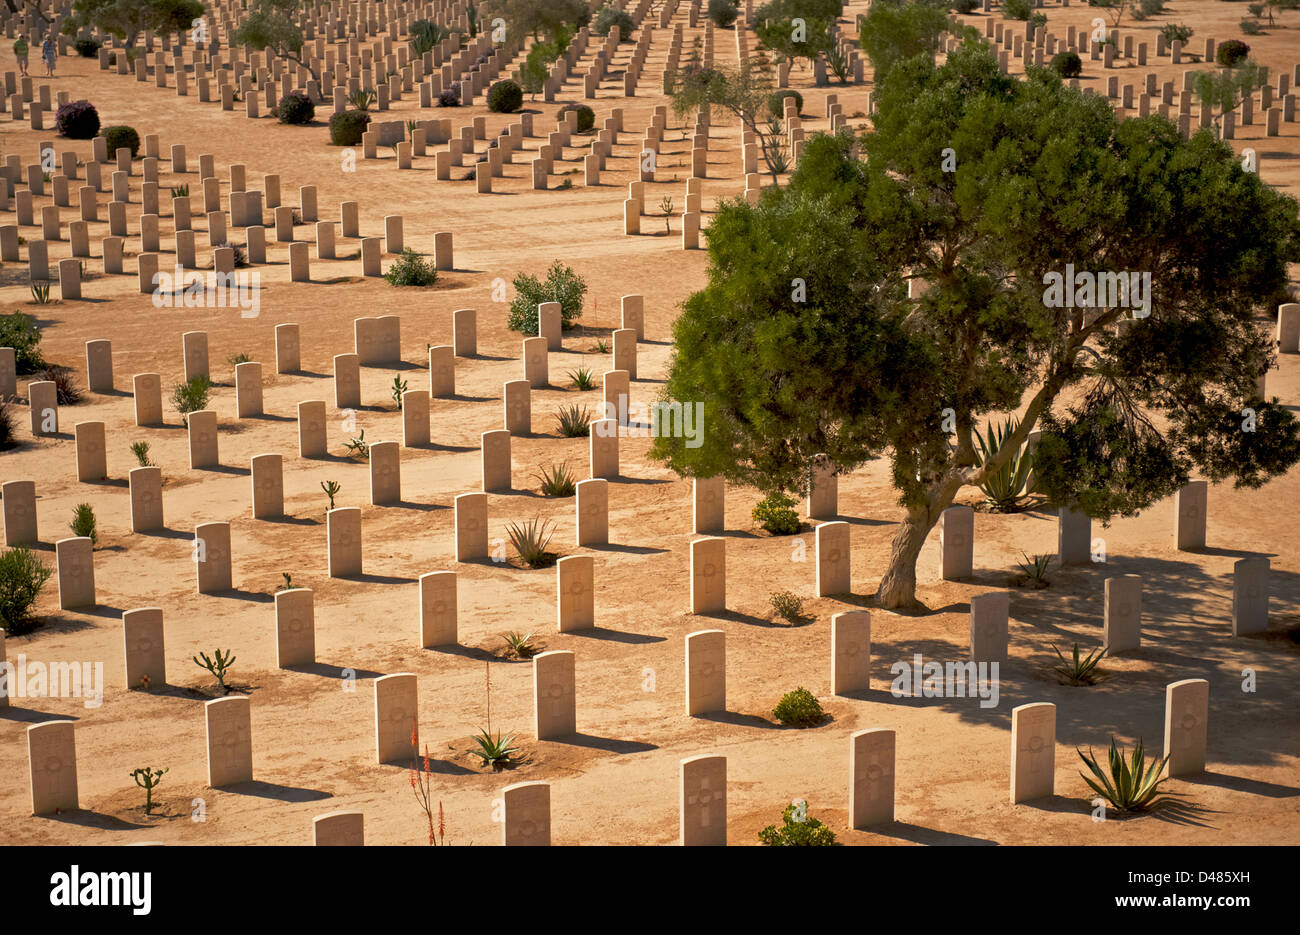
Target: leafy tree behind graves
538	18
894	31
804	341
127	19
272	25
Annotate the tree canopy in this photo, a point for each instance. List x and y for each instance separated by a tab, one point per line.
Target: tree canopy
127	19
980	185
273	25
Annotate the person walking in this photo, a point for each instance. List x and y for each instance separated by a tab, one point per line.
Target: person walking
20	53
49	53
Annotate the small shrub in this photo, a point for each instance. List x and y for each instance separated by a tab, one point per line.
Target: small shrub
723	12
66	388
1231	53
582	378
295	108
505	97
1017	9
586	116
347	128
1130	787
8	426
965	6
240	255
77	120
1151	7
776	514
218	666
118	137
141	452
799	708
450	95
609	16
561	285
1251	28
1077	671
86	47
556	481
1067	64
787	605
520	645
574	421
411	269
776	103
83	522
19	331
331	488
148	779
1176	32
1038	21
798	830
192	395
530	541
602	347
22	576
1034	570
362	99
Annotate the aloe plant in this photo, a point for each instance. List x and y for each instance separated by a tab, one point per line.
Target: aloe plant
556	481
1005	488
1131	786
495	750
582	378
520	645
1077	671
1035	570
574	421
530	540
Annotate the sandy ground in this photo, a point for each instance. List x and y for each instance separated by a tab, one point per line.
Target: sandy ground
616	782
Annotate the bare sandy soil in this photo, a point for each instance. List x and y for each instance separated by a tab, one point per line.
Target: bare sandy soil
617	781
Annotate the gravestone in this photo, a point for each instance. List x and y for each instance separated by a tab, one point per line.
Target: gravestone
1189	515
871	777
194	348
52	762
633	315
43	400
1250	594
339	829
956	542
438	609
988	626
202	427
833	564
549	324
1074	537
415	418
823	491
706	672
442	372
526	815
146	499
19	498
288	352
536	363
709	575
625	351
518	405
344	534
347	381
75	563
614	384
703	801
1033	751
471	527
1123	613
576	592
397	718
212	557
592	504
311	429
1187	711
554	696
385	473
268	486
850	652
496	460
708	505
8	367
465	332
146	657
603	448
230	740
92	463
147	389
99	366
295	627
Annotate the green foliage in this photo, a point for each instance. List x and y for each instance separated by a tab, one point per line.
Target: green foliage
586	116
1226	88
496	750
1130	785
83	522
1005	486
180	191
549	19
41	292
22	576
1250	27
798	830
218	665
787	605
87	48
119	137
582	378
331	488
520	645
272	25
66	389
1231	53
892	33
148	779
537	66
556	481
965	6
411	269
1066	64
347	128
1034	570
1176	32
799	708
505	97
574	421
530	540
77	120
243	357
1150	7
18	330
425	34
398	388
192	395
776	102
127	19
1077	670
358	447
295	108
723	12
1017	9
141	452
287	584
562	284
362	99
8	426
609	16
776	514
777	31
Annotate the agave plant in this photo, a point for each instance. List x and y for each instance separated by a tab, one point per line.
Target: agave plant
582	378
530	540
362	100
1034	570
1131	786
556	481
520	645
495	750
1005	488
1077	671
574	421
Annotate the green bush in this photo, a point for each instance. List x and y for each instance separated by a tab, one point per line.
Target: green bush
1017	9
1176	32
1067	64
965	6
1231	53
8	426
562	285
21	578
1250	27
505	97
83	522
798	830
118	137
799	708
347	128
610	16
295	108
586	116
77	120
192	395
776	103
86	48
1151	7
776	514
411	269
19	331
787	605
723	12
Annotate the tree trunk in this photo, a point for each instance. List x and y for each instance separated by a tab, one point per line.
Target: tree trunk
898	586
